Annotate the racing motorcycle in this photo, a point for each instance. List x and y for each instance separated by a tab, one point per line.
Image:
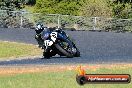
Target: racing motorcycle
58	42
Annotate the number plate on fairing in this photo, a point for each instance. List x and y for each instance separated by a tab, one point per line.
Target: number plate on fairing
53	36
48	43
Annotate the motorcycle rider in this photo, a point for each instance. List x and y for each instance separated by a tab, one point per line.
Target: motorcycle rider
40	30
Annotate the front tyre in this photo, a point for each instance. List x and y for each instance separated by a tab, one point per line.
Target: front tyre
63	51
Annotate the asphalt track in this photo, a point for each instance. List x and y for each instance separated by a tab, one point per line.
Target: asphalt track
95	47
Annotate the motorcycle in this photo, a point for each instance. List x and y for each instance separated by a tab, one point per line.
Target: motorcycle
58	42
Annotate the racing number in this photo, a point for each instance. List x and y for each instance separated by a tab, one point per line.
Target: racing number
53	36
48	43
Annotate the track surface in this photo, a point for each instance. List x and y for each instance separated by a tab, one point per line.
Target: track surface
95	47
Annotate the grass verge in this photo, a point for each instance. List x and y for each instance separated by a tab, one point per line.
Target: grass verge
61	79
15	50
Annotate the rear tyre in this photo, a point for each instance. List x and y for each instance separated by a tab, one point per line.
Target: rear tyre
77	54
66	53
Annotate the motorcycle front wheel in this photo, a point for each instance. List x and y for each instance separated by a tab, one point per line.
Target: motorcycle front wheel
63	51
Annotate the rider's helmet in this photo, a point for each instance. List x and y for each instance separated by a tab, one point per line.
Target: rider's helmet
39	28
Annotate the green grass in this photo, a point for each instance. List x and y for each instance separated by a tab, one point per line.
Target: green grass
58	80
13	50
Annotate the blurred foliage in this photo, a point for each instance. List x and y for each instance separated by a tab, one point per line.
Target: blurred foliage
30	2
96	8
90	8
118	25
10	4
121	10
64	7
15	4
10	16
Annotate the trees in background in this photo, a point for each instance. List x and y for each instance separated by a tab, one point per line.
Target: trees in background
122	8
46	6
8	18
105	8
15	4
70	7
9	4
65	7
96	8
30	2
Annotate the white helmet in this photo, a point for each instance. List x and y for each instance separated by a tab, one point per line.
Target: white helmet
39	27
